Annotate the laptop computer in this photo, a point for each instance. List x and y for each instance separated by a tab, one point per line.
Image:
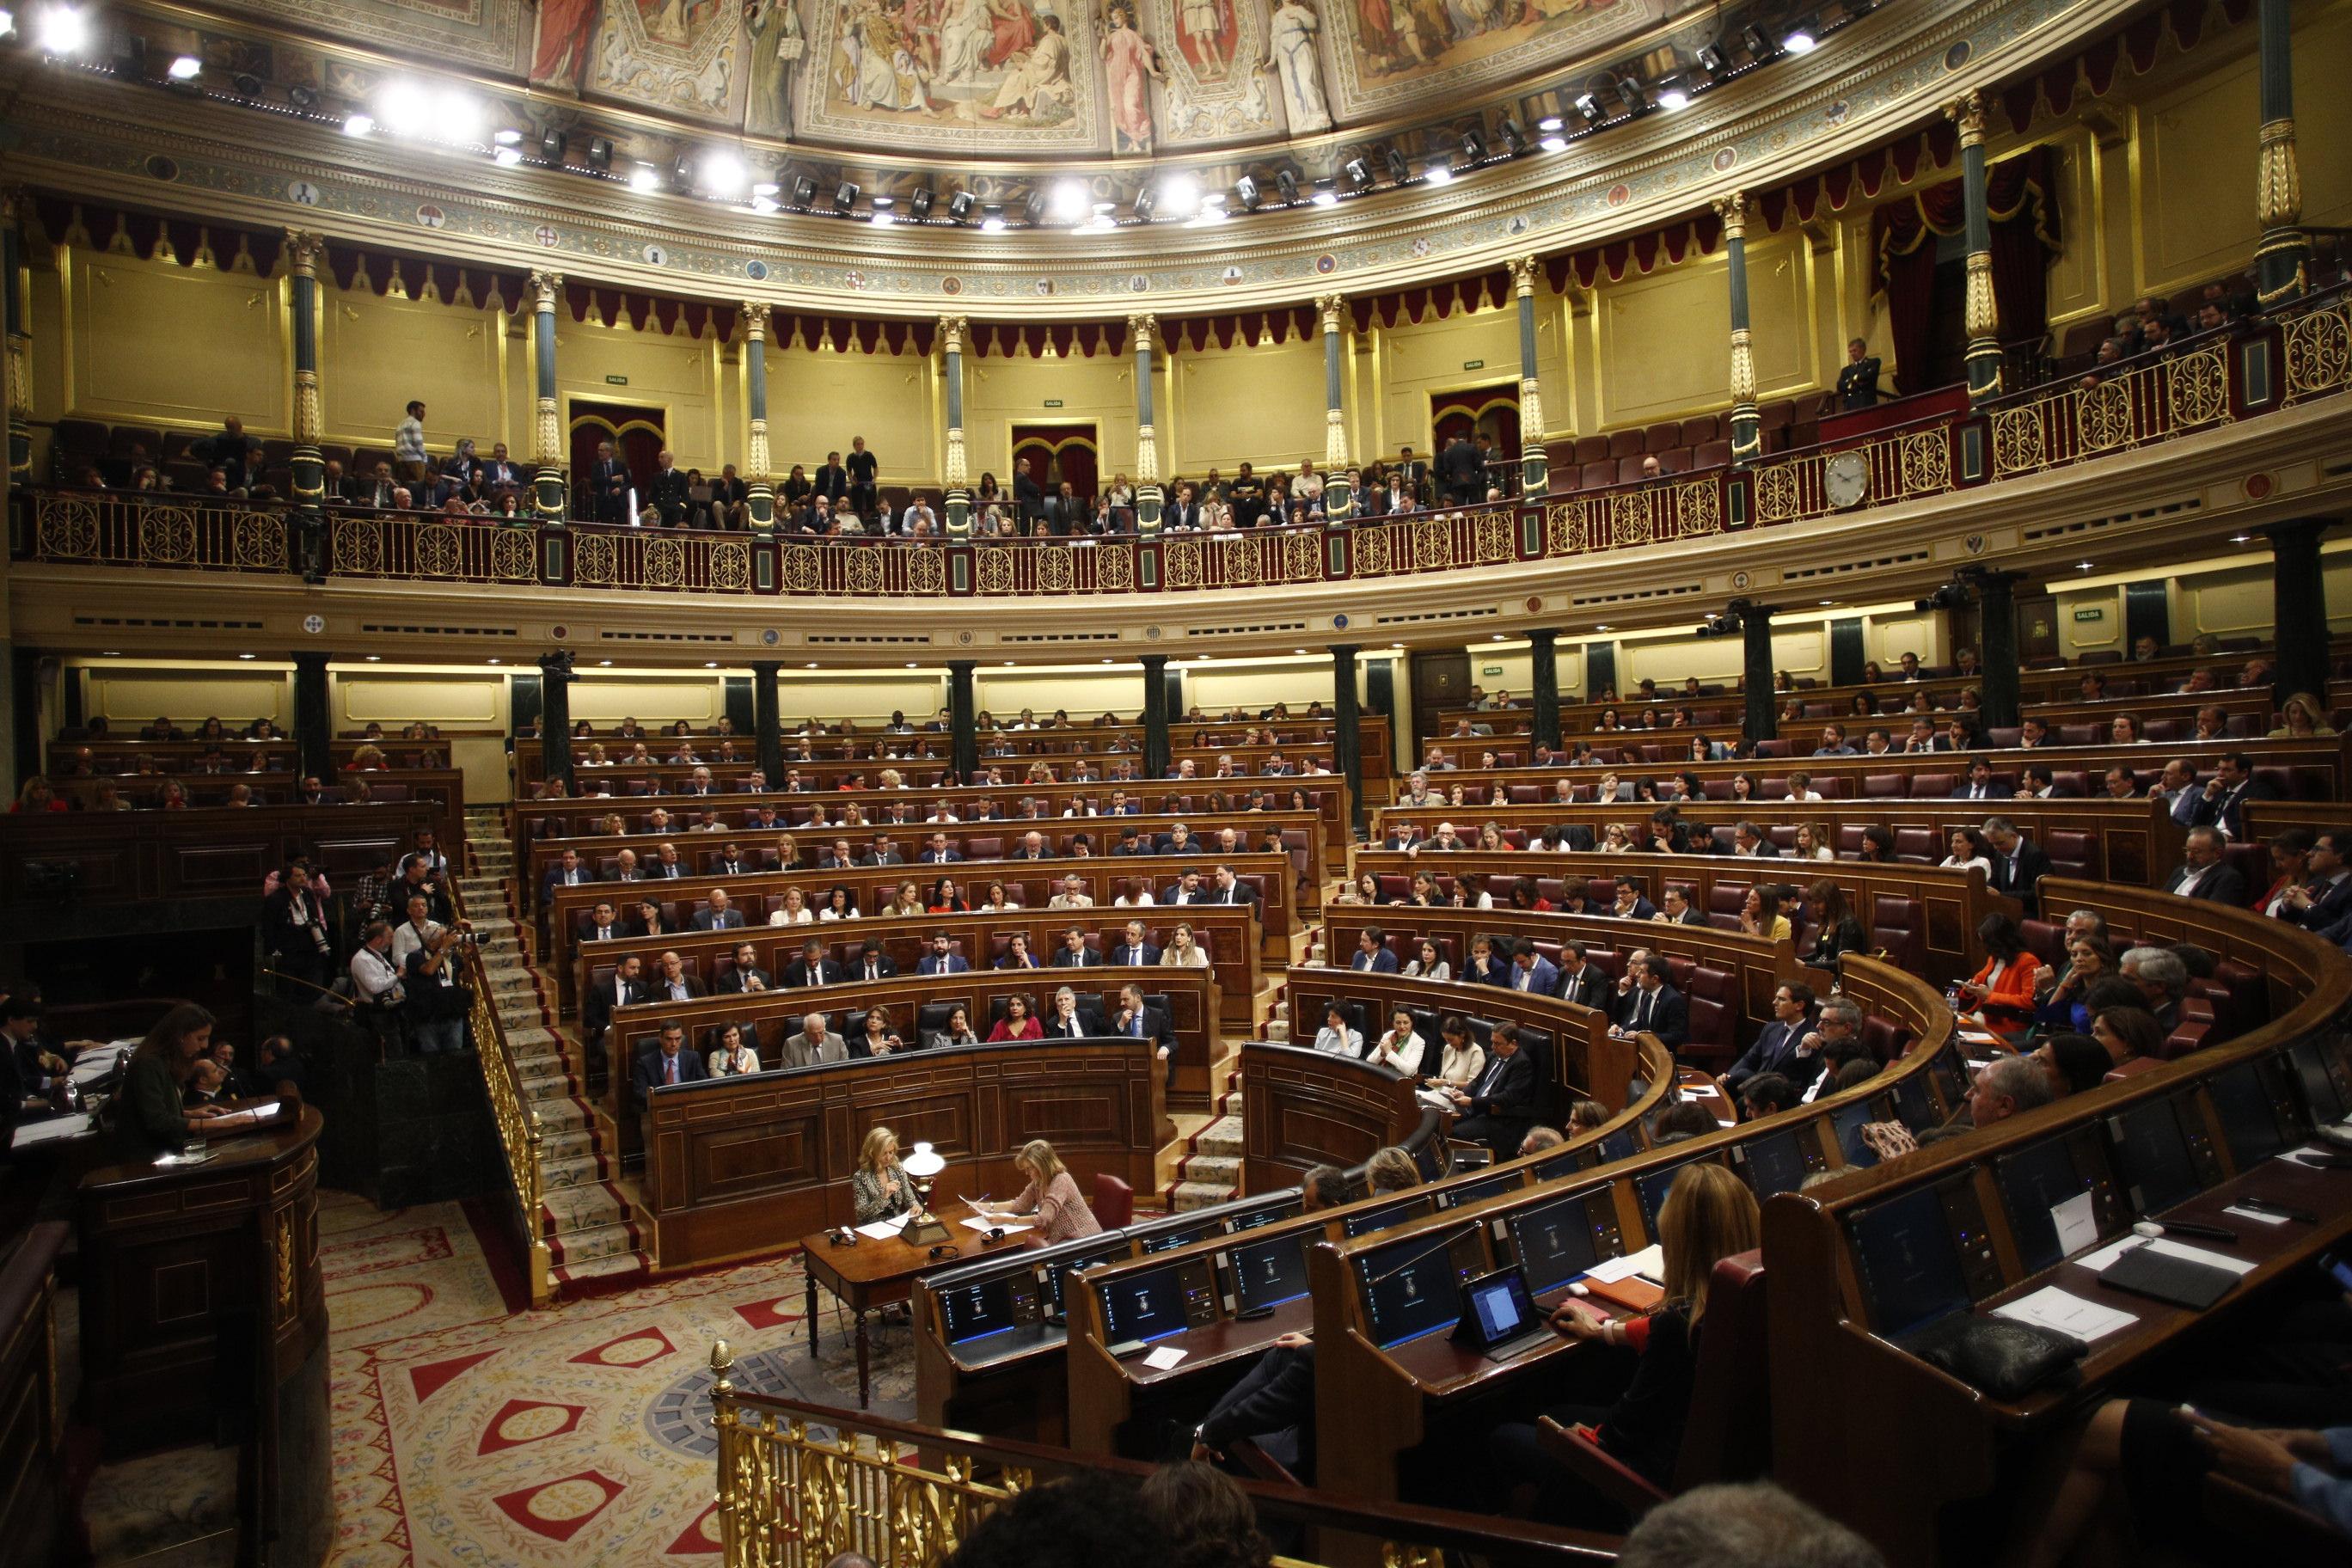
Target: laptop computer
1499	1319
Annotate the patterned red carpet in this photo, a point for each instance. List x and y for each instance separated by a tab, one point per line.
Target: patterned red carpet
465	1434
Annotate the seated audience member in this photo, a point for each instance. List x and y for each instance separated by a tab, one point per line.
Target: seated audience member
2203	873
735	1055
1755	1525
1499	1106
815	1044
1835	931
2162	979
1651	1006
2071	1064
1767	1094
1337	1037
669	1062
1776	1047
1390	1170
1709	1215
1052	1196
2127	1034
2002	990
2005	1086
1016	1024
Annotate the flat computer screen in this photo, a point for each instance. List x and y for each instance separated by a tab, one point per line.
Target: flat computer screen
1177	1235
1776	1163
1059	1268
2249	1118
1269	1271
1411	1287
1946	1070
1461	1195
1653	1190
1914	1105
1907	1263
1619	1145
1849	1121
1388	1216
1154	1303
2154	1154
1266	1211
2033	1181
976	1309
2319	1096
1555	1242
1429	1159
1499	1307
1567	1165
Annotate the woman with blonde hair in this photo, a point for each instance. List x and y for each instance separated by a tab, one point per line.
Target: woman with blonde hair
794	911
1052	1195
1709	1215
879	1186
1390	1170
1182	952
2300	715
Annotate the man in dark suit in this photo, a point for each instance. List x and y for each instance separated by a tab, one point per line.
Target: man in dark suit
666	865
603	924
2221	804
717	913
812	968
1651	1006
608	485
747	977
1407	474
1133	951
1372	954
499	471
569	871
837	856
1227	888
1857	383
1750	840
872	964
1137	1020
1063	513
1272	1406
1979	784
1028	499
1461	473
1075	954
939	852
1184	511
1073	1024
1581	981
942	958
2017	864
1531	972
1679	909
731	863
624	989
1499	1106
1402	835
1187	889
1629	904
831	480
668	1062
883	852
2203	874
2325	896
1775	1049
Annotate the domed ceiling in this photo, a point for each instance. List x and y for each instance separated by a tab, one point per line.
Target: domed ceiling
911	82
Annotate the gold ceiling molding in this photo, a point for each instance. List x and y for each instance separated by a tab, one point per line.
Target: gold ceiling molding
91	139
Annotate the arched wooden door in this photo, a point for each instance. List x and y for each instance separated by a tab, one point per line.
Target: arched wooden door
1053	454
637	437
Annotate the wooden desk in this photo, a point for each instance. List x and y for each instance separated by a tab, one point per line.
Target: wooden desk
876	1274
930	773
216	852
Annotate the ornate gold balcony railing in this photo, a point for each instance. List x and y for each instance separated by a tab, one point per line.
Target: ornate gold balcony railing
2301	352
800	1483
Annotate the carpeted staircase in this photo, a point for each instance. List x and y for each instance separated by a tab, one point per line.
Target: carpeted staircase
586	1220
1211	1170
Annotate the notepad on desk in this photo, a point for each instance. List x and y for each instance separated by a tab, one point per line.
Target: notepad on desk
1650	1261
2051	1307
2163	1246
884	1229
1009	1227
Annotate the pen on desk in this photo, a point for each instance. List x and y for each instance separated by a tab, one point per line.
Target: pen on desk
2191	1227
2302	1215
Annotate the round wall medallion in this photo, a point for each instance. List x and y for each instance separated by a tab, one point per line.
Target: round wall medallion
2259	486
755	270
1958	55
1740	579
1534	604
1340	622
1725	157
431	217
1327	263
770	637
314	625
1151	634
560	632
163	168
1976	543
950	285
302	193
654	255
549	236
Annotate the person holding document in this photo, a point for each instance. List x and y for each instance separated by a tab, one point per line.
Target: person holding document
150	1119
880	1188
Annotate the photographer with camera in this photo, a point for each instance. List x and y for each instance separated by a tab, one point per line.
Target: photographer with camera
438	1003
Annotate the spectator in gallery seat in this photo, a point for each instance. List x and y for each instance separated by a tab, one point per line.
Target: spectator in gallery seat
1709	1215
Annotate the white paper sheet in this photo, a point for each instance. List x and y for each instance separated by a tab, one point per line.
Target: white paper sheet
1702	1091
1650	1263
95	1064
1163	1358
1012	1226
2295	1156
884	1229
2098	1261
2078	1224
2257	1215
2067	1312
51	1130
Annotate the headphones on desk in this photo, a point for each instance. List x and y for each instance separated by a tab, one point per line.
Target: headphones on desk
991	1236
945	1250
844	1236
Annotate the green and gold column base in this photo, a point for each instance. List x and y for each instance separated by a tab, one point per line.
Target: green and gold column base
1147	502
20	454
1339	498
759	503
1984	371
1534	470
1747	434
548	491
2281	266
958	509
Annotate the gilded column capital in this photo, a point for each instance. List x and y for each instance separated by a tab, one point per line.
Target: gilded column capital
1145	331
1523	275
1969	114
302	250
1733	210
755	319
953	330
544	287
1333	308
2278	182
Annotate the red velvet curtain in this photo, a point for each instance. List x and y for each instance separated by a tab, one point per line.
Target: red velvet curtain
2021	200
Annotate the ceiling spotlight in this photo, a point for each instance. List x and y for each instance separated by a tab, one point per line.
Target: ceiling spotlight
1180	194
1549	122
1474	146
918	206
1799	42
960	206
992	219
645	180
1400	171
456	117
551	147
357	125
844	197
248	85
1246	192
186	67
1285	182
62	30
1437	172
1554	142
401	109
507	157
1712	60
804	191
1673	95
7	24
1068	201
1359	174
1515	140
1589	106
764	201
1758	45
505	136
723	174
1146	204
1636	96
1325	196
600	152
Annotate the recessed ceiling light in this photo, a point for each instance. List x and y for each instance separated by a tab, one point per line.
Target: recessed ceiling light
2240	538
808	667
246	655
1298	651
723	173
911	664
115	653
1439	173
1600	628
507	157
186	67
375	659
493	661
710	664
605	663
1799	42
357	125
1106	661
1554	143
63	30
645	181
1672	98
2082	567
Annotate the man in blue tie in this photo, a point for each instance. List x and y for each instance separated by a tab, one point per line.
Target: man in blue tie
1140	1022
1133	951
1499	1106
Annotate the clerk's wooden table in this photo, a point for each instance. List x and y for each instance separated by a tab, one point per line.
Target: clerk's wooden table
875	1274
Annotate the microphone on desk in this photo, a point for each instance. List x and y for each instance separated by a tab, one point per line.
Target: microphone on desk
1418	1259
